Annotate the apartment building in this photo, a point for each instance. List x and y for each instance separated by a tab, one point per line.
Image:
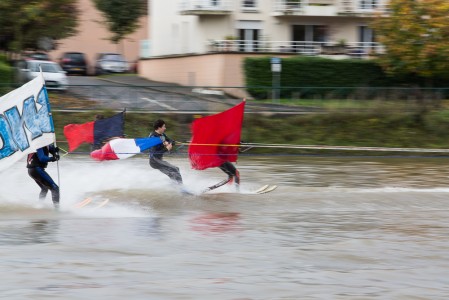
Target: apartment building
203	42
92	37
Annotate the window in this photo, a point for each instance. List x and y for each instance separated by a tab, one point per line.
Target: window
293	4
249	4
310	33
368	4
250	40
366	41
249	34
366	35
306	38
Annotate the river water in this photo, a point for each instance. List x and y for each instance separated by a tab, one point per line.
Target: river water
335	228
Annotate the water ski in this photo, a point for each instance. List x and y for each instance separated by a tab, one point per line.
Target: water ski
262	190
266	189
88	202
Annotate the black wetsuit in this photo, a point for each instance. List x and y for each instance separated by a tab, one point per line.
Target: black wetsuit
157	162
36	164
232	172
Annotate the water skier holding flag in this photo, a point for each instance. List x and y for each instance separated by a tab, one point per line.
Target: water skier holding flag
157	153
215	143
38	161
27	128
36	164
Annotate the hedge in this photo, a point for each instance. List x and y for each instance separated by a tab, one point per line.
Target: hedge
311	76
5	78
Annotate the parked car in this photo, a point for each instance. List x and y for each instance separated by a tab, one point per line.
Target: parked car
55	78
110	63
74	63
37	56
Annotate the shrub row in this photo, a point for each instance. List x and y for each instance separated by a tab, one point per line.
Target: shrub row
311	76
5	77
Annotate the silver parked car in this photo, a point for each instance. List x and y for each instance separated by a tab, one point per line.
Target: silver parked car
55	78
110	63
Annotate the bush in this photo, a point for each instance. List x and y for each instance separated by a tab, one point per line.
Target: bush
5	78
312	77
3	58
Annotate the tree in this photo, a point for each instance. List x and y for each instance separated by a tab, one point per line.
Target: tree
414	34
121	16
24	23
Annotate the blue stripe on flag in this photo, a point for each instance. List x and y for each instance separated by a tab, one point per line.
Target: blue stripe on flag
146	143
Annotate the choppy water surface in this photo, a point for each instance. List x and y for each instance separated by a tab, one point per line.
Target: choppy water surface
336	228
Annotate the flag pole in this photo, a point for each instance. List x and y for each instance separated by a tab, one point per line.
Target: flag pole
52	124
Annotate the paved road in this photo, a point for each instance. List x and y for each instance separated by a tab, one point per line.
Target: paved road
138	94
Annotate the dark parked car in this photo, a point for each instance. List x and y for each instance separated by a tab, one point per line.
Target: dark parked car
110	63
74	63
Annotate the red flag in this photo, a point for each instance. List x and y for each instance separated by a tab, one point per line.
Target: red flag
76	134
211	134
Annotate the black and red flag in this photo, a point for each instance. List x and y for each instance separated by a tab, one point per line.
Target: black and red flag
95	132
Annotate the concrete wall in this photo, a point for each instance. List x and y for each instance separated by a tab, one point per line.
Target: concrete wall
213	70
92	37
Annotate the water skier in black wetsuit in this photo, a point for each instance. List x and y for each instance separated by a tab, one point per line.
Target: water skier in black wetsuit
157	153
36	164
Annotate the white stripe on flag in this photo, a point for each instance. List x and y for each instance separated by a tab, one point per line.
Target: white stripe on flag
124	148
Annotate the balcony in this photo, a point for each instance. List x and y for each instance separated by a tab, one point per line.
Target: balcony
304	8
328	8
362	9
349	50
206	7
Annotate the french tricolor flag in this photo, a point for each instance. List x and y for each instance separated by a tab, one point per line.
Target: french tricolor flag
123	148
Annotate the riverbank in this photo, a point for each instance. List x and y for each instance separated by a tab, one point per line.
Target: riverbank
362	129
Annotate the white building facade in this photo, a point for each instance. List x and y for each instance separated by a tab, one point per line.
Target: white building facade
204	42
310	27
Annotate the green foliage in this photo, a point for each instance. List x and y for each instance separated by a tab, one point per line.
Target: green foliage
311	73
414	34
3	58
122	16
314	77
339	129
343	129
24	22
6	73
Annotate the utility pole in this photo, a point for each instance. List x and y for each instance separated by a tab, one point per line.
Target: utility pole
276	68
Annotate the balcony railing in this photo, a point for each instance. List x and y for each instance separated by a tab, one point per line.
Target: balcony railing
206	7
289	7
358	7
328	7
354	49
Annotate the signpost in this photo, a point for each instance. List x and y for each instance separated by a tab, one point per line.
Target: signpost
276	68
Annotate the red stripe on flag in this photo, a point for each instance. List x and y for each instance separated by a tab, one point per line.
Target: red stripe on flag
76	134
105	153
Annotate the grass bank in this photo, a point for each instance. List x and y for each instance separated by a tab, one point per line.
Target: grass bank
376	129
349	123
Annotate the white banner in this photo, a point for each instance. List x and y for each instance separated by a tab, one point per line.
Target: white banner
25	122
